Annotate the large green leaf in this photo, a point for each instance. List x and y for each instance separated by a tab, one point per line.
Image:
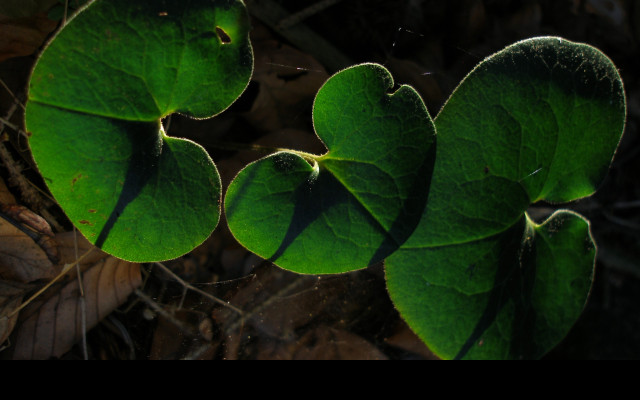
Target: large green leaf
540	120
353	206
96	99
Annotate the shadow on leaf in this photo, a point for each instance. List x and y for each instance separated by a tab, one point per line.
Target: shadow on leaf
147	147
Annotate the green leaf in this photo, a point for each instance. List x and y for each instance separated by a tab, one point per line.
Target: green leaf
96	99
538	121
353	206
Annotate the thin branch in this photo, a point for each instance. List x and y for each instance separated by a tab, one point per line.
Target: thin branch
65	270
15	98
199	291
160	310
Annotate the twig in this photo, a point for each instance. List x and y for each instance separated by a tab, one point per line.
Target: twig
15	98
200	292
9	124
278	296
160	310
65	270
66	12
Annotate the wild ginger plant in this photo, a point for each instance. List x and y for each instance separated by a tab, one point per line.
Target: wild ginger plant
443	202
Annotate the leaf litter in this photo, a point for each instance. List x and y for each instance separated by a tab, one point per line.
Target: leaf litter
33	258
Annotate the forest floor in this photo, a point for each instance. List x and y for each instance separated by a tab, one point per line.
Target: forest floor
171	311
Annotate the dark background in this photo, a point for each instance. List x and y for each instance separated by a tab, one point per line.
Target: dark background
431	45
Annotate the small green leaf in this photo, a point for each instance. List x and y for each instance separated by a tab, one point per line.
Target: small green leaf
96	99
540	120
353	206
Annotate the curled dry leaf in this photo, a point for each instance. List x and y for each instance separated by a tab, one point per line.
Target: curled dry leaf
42	233
22	259
27	217
51	325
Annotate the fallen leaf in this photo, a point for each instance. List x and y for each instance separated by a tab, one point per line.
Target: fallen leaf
5	195
23	37
287	316
325	343
288	82
11	295
50	326
22	259
42	235
72	245
27	217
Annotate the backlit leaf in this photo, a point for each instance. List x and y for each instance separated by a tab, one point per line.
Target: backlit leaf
540	120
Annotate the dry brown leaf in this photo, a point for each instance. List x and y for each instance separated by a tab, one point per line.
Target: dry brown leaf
67	243
289	80
323	343
5	195
11	295
42	233
21	259
287	316
50	326
22	37
27	217
172	341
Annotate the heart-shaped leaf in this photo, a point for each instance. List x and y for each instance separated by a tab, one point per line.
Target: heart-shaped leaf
97	96
353	206
540	120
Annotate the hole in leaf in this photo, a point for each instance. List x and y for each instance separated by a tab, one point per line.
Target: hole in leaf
224	37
